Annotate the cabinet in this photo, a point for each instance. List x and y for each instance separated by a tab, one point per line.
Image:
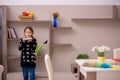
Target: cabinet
12	55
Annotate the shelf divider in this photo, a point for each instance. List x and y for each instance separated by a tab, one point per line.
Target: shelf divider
59	28
29	21
13	39
95	19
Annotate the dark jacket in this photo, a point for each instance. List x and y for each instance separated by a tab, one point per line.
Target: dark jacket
27	53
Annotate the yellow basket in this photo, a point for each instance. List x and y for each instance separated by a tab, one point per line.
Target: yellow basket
25	17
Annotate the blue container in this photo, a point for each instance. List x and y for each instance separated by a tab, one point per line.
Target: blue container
55	22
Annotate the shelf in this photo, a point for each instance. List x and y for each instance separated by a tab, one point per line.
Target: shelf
41	76
59	28
46	21
18	57
113	17
56	44
95	18
13	39
13	57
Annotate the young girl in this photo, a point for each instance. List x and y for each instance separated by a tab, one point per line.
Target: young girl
27	47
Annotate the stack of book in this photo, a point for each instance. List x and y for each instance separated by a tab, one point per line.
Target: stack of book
11	33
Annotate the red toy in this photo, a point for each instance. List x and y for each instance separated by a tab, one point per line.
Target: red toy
25	13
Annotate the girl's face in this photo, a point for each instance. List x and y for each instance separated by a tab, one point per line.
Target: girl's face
28	33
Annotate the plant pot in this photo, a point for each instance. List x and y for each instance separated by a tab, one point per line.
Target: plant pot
101	59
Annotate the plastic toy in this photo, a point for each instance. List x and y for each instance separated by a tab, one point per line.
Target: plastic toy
92	64
39	47
26	15
98	64
115	66
105	65
111	62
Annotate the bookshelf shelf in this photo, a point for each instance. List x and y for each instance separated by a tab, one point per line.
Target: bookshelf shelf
13	57
14	39
39	76
29	21
59	28
60	44
95	19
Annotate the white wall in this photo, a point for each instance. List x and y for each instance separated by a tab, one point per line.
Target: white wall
59	2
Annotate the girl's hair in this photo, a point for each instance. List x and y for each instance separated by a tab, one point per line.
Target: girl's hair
30	28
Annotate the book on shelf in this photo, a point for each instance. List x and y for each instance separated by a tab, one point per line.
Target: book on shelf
11	33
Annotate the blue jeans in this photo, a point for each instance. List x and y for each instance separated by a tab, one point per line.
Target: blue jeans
26	71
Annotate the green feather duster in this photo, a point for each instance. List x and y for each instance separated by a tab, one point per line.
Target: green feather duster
39	47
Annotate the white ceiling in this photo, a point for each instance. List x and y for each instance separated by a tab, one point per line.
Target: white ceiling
59	2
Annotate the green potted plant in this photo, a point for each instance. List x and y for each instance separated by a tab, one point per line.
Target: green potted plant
82	56
101	52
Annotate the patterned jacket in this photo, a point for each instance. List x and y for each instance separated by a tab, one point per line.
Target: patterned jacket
27	53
